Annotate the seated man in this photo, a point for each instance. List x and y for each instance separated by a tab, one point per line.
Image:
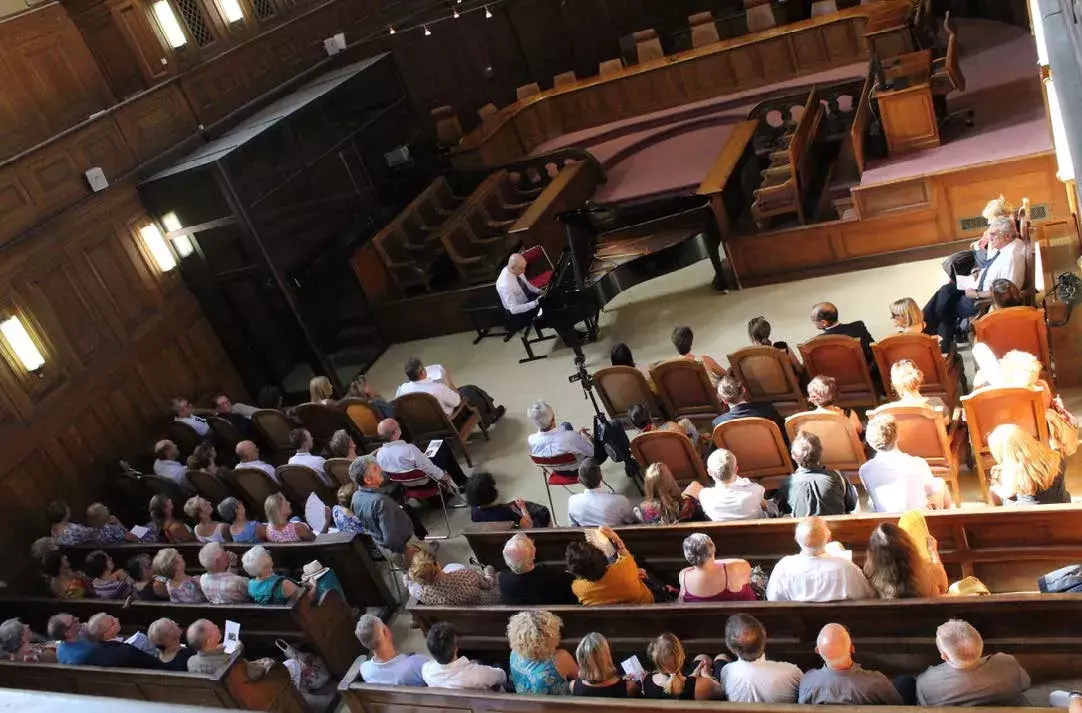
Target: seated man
596	506
205	638
385	665
442	387
523	583
389	524
1004	259
103	630
301	441
825	318
74	647
449	670
967	677
814	489
183	412
556	439
734	394
816	575
897	481
731	497
240	415
751	678
682	338
219	585
166	464
841	681
397	456
248	457
517	295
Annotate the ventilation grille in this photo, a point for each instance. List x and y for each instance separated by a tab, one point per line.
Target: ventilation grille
1041	211
975	223
263	8
197	24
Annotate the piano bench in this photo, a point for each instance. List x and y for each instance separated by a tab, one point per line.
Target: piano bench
486	313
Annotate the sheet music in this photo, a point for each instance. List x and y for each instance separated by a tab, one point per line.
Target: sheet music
965	282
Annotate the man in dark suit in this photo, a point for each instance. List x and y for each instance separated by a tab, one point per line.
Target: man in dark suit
735	396
825	318
102	630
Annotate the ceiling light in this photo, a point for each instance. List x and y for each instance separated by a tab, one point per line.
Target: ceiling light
488	13
390	29
183	245
428	32
19	340
171	222
454	12
1059	134
231	10
167	21
1038	32
155	243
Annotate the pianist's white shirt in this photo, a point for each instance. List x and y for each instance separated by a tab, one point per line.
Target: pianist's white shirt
514	298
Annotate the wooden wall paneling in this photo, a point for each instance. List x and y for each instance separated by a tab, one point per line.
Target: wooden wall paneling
883	198
844	39
649	91
52	179
101	145
115	272
889	234
810	48
776	59
117	41
542	34
17	212
707	76
773	253
154	58
20	126
155	121
1032	178
747	69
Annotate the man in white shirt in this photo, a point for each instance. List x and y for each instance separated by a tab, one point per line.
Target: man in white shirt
386	666
596	506
815	575
301	440
752	678
897	481
443	389
731	497
183	412
1004	259
167	466
397	456
248	457
449	670
516	293
553	439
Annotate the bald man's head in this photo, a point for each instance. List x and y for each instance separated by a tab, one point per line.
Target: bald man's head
812	534
389	430
247	451
824	315
516	264
835	646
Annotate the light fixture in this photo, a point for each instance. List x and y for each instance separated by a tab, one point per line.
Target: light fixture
19	340
390	29
488	13
170	26
1038	32
428	32
1059	134
454	12
155	243
231	10
171	222
183	245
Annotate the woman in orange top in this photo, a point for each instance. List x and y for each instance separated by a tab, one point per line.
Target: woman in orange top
598	582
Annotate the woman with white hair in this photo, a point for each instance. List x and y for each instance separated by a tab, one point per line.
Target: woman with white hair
168	563
15	644
713	580
523	583
166	634
266	587
538	665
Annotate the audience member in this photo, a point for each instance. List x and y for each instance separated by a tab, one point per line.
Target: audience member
203	458
482	497
907	316
759	334
735	395
73	648
730	497
200	510
386	666
595	506
823	395
897	481
621	356
895	568
1027	472
166	634
715	580
967	677
398	456
300	439
816	575
248	457
145	585
813	488
458	585
523	583
359	388
1006	294
109	529
1018	368
164	525
280	528
752	678
168	563
107	581
241	529
598	677
538	665
906	378
599	582
219	585
682	338
842	681
103	632
442	387
668	682
664	502
266	587
240	415
341	445
64	582
65	532
184	413
825	318
639	418
553	439
389	525
320	391
205	639
342	515
449	670
15	644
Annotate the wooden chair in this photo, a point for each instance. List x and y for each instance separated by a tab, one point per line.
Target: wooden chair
759	14
1015	328
274	427
685	390
252	485
621	386
842	358
158	485
824	7
425	419
362	415
922	432
474	264
321	421
704	31
759	448
647	46
487	112
300	481
674	450
337	469
209	486
993	406
405	269
448	127
184	436
842	448
563	79
769	377
610	67
527	90
947	78
941	377
225	433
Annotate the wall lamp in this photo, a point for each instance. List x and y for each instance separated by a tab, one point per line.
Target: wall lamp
169	24
19	341
159	250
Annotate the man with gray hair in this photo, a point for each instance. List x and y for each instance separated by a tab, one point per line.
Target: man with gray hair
816	575
386	666
557	439
731	497
967	677
205	638
74	647
220	586
523	583
814	489
103	630
841	681
390	526
398	456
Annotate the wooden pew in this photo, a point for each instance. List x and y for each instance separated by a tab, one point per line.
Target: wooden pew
228	688
347	553
895	636
786	181
573	186
1007	548
327	627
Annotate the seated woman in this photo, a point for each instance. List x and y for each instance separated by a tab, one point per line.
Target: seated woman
63	581
599	582
682	338
895	568
164	525
279	526
713	580
320	391
203	458
266	587
182	589
906	378
107	581
1026	472
341	445
341	514
200	510
359	388
145	585
429	584
1006	294
822	394
110	531
538	665
759	334
15	644
65	532
621	356
664	503
668	682
638	416
598	677
907	316
241	529
482	496
166	634
1018	368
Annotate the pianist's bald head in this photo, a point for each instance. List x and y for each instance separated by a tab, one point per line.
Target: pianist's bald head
516	264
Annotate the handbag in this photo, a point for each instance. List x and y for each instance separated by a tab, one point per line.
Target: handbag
313	671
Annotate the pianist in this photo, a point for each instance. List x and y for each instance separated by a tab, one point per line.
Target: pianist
522	302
